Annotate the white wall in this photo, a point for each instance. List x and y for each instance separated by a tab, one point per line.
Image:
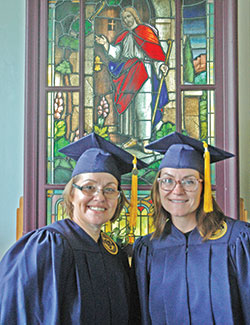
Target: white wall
244	101
12	44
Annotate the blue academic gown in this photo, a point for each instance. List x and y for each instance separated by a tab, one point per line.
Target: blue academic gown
186	281
59	275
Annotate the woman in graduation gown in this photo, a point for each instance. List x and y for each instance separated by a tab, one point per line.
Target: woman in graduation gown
70	272
195	267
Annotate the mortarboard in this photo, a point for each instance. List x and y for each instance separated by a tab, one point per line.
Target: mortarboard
95	154
181	151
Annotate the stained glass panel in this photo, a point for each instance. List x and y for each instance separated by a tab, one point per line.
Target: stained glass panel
63	43
198	42
62	128
198	114
198	117
54	206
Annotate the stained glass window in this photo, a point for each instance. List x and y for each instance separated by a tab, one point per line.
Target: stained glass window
115	72
131	71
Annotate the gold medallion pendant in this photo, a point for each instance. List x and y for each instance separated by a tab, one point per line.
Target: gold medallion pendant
109	244
219	233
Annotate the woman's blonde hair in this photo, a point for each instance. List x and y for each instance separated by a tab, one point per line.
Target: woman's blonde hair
207	223
68	197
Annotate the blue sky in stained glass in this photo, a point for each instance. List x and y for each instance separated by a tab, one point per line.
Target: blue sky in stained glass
194	25
198	42
198	45
194	8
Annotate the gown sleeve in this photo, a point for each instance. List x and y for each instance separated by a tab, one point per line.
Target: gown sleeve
33	273
240	262
140	285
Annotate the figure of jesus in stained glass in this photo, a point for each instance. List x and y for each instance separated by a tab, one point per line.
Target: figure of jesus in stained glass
136	64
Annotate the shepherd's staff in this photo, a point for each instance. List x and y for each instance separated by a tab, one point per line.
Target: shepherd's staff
162	79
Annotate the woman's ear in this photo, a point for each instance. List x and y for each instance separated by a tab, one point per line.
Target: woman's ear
71	196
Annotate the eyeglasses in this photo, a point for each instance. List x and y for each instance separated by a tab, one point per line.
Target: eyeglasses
189	184
91	190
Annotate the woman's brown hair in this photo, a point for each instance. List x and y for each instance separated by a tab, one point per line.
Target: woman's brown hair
207	223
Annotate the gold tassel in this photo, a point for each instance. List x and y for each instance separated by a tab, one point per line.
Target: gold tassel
208	203
108	227
133	201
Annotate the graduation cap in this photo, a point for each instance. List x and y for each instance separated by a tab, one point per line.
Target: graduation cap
95	154
181	151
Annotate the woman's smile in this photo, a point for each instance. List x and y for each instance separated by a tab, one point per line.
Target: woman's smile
95	208
178	201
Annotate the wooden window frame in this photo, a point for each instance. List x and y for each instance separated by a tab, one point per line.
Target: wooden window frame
226	94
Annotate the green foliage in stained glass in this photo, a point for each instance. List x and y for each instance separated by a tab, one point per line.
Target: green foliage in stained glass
66	9
203	131
62	175
64	67
88	27
120	235
203	116
201	79
155	164
103	112
103	132
165	130
69	42
60	129
62	167
76	26
59	29
65	163
67	23
188	62
60	143
113	2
